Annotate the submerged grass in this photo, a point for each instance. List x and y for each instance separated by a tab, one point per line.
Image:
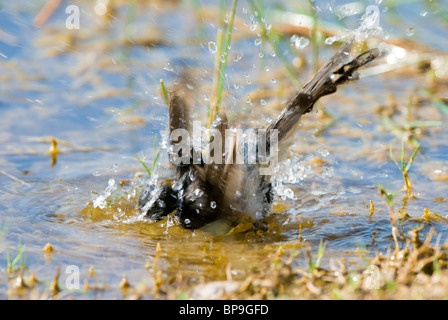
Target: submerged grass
405	167
314	263
19	259
154	162
144	165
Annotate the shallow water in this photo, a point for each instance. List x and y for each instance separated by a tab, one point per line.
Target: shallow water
101	101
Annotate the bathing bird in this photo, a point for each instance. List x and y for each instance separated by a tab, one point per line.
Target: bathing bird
202	192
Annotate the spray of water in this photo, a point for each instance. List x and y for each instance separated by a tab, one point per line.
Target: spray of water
370	26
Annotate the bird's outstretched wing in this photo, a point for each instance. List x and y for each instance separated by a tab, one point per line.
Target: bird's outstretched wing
335	72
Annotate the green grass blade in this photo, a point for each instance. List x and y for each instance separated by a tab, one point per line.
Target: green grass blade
155	143
8	259
388	195
155	160
441	105
165	94
411	160
144	165
402	155
320	253
212	111
392	156
19	255
423	124
154	163
226	53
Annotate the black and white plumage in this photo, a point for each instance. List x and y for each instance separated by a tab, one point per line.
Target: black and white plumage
202	193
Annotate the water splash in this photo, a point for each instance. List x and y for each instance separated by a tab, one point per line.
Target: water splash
103	200
291	171
370	26
116	195
299	42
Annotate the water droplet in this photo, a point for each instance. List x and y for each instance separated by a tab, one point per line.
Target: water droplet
424	13
330	40
323	152
293	38
97	173
273	81
257	42
266	68
301	43
237	58
273	53
246	75
187	221
198	192
213	204
168	67
222	58
261	55
253	24
263	102
410	32
212	47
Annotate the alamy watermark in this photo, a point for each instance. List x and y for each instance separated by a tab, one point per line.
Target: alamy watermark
72	277
73	20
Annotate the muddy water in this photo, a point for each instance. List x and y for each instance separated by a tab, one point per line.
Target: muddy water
100	98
